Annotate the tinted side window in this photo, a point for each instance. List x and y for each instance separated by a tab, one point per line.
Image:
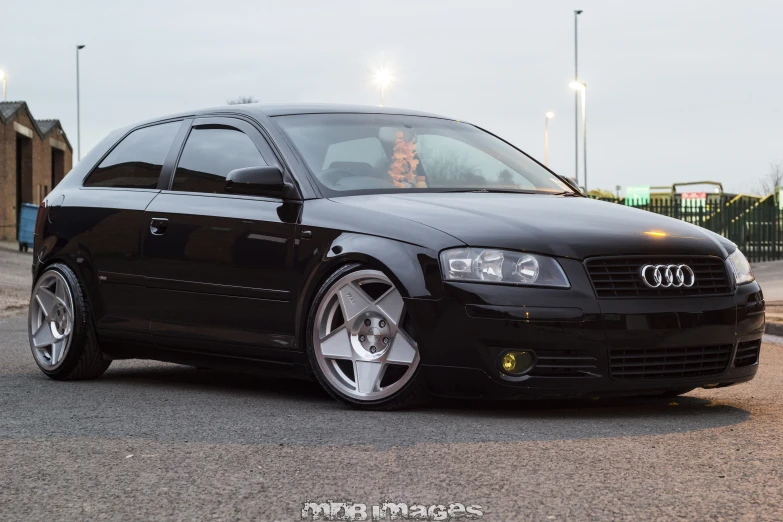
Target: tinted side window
209	155
137	160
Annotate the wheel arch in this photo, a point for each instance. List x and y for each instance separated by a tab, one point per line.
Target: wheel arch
88	361
414	270
88	290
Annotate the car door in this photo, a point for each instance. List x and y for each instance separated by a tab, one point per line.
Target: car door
107	212
219	266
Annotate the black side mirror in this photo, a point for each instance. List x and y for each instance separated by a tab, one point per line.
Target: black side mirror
256	181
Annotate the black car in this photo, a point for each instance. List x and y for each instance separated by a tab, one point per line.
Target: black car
385	253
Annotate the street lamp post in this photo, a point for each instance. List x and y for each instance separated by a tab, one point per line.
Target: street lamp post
548	116
581	88
3	77
78	108
577	12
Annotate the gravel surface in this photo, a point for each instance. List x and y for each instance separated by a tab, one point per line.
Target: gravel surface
770	275
152	441
15	279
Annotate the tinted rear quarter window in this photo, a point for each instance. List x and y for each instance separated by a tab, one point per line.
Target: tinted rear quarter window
137	160
209	155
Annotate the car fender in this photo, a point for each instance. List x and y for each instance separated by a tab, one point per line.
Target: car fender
413	269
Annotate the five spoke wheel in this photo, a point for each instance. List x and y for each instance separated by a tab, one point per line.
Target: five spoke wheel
359	342
51	320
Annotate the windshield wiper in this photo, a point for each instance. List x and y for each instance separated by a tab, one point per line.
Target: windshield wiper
512	191
568	194
506	191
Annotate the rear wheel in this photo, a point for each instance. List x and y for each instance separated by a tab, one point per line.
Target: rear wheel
358	347
61	333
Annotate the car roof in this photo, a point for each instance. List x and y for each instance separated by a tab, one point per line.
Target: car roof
322	108
267	110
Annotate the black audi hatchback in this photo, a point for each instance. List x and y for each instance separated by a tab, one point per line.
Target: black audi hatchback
384	253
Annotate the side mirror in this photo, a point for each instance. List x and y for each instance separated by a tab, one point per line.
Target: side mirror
256	181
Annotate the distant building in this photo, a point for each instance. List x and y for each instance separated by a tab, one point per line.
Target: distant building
34	156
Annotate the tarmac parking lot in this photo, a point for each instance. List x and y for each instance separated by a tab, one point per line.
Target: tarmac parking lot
164	442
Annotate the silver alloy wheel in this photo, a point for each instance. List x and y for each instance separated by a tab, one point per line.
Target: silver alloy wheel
358	339
51	320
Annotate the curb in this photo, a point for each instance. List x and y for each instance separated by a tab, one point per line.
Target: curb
774	329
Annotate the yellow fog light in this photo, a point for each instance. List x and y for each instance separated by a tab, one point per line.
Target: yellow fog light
515	363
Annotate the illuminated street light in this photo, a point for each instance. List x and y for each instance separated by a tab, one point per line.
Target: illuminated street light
383	77
4	78
577	12
549	115
581	87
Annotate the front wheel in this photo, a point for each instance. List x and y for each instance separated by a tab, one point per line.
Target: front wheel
358	347
62	337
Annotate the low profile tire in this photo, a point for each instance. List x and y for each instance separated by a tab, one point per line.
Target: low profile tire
62	336
357	344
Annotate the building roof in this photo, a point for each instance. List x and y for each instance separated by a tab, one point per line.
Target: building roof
43	127
8	109
46	126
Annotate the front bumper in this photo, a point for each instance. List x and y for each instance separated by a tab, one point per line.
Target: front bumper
577	339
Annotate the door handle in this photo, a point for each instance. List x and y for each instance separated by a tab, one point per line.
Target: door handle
158	226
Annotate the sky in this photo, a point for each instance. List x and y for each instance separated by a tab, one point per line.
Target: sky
676	91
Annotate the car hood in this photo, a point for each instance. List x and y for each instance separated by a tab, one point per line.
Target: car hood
556	225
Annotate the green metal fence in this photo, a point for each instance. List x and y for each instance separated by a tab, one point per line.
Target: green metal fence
754	224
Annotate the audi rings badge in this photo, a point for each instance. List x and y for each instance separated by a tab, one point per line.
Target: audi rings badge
668	276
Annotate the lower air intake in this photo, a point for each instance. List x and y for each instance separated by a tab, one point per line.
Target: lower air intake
668	363
564	363
747	354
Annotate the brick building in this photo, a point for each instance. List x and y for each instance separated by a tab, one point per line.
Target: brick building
34	157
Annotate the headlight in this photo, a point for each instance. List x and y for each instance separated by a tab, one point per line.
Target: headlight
741	268
488	265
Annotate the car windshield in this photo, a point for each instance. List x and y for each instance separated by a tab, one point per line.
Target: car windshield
369	153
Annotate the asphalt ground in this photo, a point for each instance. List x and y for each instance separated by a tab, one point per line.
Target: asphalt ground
154	441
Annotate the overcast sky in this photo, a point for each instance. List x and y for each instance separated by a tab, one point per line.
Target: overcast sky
677	91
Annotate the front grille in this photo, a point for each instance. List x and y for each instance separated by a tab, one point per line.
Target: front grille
621	276
668	363
564	363
747	354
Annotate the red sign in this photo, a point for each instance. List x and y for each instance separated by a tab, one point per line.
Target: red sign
694	195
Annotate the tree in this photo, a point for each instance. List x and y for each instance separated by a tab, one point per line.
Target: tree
601	194
773	178
241	100
506	179
452	171
447	169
